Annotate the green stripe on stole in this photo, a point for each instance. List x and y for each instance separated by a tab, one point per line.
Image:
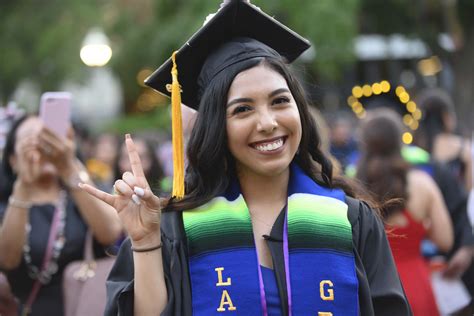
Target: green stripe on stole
218	224
316	221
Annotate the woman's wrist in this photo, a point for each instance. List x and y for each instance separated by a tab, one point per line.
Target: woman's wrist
74	175
146	242
22	190
20	204
148	248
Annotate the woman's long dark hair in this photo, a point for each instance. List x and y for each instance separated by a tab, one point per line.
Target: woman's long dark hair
211	165
434	104
382	168
8	175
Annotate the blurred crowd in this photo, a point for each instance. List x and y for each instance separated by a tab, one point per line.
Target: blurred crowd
426	182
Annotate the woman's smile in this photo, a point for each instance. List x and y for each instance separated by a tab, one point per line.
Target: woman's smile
270	146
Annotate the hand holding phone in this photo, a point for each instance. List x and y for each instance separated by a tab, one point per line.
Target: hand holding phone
55	111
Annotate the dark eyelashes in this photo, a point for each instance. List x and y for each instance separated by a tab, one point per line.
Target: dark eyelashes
280	100
245	108
241	109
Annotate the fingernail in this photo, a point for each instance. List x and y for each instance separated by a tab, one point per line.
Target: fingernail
81	185
127	135
136	199
139	191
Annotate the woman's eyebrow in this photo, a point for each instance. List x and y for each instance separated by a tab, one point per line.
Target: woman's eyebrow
239	100
278	91
243	100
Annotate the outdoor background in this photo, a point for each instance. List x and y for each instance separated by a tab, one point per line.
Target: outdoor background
413	43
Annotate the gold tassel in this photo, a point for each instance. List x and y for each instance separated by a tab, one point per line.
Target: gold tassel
177	133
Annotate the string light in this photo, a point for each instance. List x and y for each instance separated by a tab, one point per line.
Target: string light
351	100
407	138
377	88
357	92
411	106
385	85
411	119
414	125
399	90
407	119
417	114
367	90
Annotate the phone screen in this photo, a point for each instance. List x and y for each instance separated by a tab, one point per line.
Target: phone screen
55	111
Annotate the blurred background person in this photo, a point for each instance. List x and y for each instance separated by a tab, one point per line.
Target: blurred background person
343	145
151	165
417	211
438	134
100	164
44	223
325	132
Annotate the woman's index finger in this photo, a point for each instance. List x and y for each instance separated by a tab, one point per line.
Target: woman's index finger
135	161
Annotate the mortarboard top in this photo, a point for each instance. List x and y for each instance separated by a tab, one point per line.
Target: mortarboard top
237	19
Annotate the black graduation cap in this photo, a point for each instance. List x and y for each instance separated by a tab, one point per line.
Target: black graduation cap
238	31
253	34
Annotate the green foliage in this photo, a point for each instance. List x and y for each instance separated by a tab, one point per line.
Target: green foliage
330	26
41	40
159	119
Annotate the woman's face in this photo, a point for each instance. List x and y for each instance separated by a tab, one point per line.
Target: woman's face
263	122
26	147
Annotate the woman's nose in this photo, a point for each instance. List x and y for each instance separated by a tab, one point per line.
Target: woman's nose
266	122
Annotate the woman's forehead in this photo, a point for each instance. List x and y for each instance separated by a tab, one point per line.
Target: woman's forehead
257	79
30	126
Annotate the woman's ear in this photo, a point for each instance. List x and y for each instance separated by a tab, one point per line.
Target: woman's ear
449	121
13	161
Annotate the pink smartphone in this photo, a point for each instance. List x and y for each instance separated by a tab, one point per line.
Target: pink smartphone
55	111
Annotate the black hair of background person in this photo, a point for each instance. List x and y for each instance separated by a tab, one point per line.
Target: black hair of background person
386	100
156	172
211	164
8	175
435	105
381	167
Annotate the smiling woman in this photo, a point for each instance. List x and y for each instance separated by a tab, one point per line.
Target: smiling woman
262	229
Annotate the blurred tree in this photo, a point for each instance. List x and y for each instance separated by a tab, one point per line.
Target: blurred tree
41	40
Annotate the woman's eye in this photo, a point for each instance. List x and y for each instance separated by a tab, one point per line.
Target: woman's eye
241	109
281	100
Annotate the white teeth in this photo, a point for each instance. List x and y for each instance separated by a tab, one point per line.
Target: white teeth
270	146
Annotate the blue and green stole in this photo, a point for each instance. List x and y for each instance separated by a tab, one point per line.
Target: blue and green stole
317	245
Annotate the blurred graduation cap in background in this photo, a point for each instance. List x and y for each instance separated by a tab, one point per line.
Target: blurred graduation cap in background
237	32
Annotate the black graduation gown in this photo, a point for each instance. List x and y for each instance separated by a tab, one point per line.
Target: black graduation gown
380	289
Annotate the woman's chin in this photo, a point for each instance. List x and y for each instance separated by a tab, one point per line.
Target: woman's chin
48	172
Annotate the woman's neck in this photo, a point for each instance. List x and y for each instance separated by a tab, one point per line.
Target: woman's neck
261	190
45	190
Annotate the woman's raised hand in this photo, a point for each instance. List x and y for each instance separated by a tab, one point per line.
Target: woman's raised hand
60	151
27	161
138	208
